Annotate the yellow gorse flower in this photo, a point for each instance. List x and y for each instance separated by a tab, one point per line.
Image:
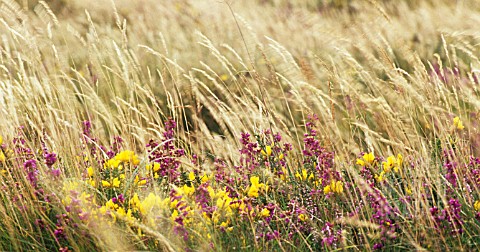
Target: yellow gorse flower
112	163
106	183
90	171
477	205
205	178
380	177
302	217
255	187
127	156
368	159
187	190
265	212
334	187
116	182
408	190
302	176
267	152
387	166
394	163
191	176
457	123
155	167
1	140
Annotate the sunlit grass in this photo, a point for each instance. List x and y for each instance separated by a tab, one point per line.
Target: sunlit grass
253	125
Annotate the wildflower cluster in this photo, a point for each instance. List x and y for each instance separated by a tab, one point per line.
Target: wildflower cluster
266	197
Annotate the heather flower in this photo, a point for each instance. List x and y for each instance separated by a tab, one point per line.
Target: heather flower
50	159
30	167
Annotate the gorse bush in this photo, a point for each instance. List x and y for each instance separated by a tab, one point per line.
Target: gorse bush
261	125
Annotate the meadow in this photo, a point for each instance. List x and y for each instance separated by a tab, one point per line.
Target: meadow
252	125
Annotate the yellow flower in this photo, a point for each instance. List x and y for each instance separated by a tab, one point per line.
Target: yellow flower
368	159
187	190
155	166
138	181
116	182
90	171
283	176
339	187
1	140
327	189
174	215
391	162
302	176
2	156
255	186
223	202
224	224
254	180
302	217
136	204
380	178
268	151
142	182
477	205
399	163
191	176
205	178
265	212
408	190
253	191
91	182
127	156
121	212
112	163
457	123
111	205
106	184
334	187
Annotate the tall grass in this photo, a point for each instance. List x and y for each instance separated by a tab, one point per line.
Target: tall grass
381	77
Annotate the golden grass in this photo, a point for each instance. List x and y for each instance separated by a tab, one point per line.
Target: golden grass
366	68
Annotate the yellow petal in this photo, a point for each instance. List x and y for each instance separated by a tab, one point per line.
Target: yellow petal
106	183
90	171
